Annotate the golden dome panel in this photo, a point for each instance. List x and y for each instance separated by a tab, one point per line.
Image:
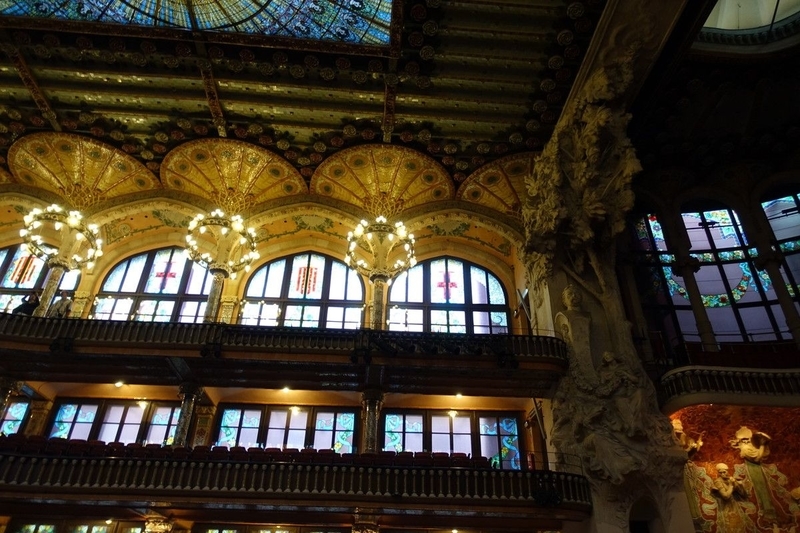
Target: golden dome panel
499	185
222	169
382	179
82	170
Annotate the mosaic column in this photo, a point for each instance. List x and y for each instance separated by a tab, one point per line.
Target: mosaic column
377	319
371	404
228	304
204	418
158	525
57	269
190	393
8	387
214	295
364	521
38	414
80	301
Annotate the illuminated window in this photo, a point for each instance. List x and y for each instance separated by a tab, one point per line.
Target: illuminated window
22	272
13	417
448	295
305	290
288	428
34	528
158	286
491	435
116	421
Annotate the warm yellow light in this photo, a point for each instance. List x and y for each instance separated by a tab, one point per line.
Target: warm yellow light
458	395
119	384
286	389
142	404
452	413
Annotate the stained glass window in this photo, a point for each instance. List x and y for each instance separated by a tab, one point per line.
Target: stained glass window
499	437
163	423
784	219
306	290
491	435
157	286
739	299
403	432
448	295
35	528
113	421
13	417
349	21
286	427
22	272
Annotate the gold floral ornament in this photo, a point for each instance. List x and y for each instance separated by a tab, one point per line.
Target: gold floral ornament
79	242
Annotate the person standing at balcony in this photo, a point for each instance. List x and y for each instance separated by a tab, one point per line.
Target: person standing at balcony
61	308
28	305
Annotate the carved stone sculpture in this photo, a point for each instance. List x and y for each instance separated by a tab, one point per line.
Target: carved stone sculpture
689	444
752	446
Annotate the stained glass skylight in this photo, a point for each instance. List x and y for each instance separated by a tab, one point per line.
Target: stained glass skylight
347	21
738	15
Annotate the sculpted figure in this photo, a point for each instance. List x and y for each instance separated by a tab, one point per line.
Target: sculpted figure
571	298
752	446
622	385
731	517
726	486
689	444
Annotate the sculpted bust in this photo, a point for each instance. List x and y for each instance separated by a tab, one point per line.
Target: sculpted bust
571	298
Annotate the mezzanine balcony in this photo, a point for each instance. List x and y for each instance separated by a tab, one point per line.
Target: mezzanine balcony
71	350
228	484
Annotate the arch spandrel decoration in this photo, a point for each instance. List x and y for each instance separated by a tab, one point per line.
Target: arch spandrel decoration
211	168
499	185
80	169
397	177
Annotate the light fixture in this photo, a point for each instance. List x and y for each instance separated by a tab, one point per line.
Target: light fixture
119	384
458	395
221	242
142	404
76	243
380	238
452	413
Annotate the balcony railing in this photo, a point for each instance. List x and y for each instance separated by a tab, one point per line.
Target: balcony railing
213	338
115	476
701	382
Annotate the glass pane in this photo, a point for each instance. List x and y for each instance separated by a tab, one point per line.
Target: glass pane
301	277
480	292
397	290
296	439
114	413
69	281
416	284
197	280
784	218
440	442
275	279
462	443
24	270
15	414
255	285
405	319
278	418
166	272
339	278
299	419
496	294
447	281
134	273
440	424
355	289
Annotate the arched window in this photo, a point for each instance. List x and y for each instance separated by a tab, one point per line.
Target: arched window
23	272
448	295
739	299
305	291
157	286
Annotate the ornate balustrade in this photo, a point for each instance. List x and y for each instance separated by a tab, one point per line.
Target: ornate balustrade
118	476
700	384
224	337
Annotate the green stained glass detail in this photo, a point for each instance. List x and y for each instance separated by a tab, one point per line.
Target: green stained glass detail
722	300
348	21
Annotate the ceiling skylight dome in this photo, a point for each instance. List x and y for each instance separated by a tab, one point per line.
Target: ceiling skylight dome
753	23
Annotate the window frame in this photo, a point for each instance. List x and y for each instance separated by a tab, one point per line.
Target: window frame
428	307
22	421
325	304
103	407
139	296
475	429
11	297
309	429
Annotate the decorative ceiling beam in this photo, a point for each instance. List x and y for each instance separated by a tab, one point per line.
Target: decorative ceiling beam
212	97
29	81
389	104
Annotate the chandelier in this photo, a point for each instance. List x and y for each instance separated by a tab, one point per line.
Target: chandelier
380	238
68	229
221	242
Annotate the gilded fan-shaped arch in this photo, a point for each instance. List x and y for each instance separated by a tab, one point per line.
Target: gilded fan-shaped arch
228	171
499	185
82	170
382	179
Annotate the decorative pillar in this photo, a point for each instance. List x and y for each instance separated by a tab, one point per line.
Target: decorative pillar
204	417
57	269
378	318
80	301
686	267
364	521
227	305
371	404
8	387
214	295
190	393
770	259
39	412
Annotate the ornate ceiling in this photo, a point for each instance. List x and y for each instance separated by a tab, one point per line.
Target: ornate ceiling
460	86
